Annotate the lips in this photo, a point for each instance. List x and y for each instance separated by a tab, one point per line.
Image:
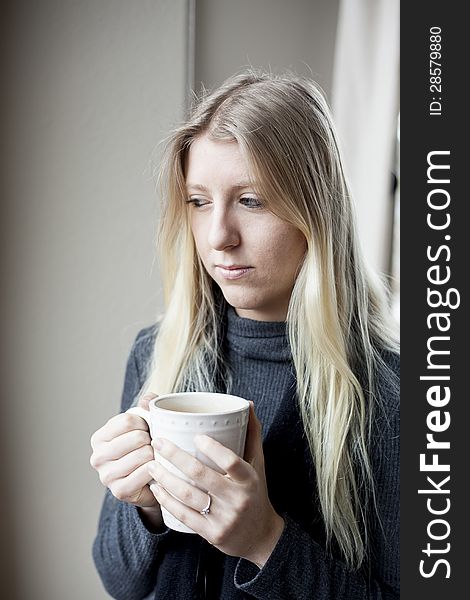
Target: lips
233	271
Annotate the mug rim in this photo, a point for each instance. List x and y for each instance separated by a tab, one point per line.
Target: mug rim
153	404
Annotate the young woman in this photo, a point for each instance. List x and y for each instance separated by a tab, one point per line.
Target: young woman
268	298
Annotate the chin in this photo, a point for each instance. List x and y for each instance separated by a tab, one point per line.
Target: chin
240	301
251	307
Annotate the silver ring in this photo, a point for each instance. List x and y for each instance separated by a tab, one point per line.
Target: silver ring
207	509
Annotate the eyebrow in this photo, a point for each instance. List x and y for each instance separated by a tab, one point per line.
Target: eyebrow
202	188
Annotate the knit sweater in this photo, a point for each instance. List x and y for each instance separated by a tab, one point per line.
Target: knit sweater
260	363
134	562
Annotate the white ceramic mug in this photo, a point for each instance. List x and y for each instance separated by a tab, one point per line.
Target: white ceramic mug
180	417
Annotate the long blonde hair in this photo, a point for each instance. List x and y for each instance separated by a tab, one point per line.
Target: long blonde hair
338	315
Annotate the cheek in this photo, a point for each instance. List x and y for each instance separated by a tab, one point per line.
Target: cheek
284	247
199	235
298	248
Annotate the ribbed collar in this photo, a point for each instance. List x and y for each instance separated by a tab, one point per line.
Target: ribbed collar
261	340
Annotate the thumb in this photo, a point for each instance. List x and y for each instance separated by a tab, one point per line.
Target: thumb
254	442
144	400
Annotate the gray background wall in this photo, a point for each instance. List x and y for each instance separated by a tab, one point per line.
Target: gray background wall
89	88
277	34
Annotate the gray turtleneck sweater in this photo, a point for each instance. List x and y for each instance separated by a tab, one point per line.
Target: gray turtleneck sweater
134	562
260	363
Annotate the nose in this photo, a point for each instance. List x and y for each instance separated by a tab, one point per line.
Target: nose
224	231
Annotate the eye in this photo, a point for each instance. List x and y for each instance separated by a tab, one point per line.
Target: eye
251	202
197	202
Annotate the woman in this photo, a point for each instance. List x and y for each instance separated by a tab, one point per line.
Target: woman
267	297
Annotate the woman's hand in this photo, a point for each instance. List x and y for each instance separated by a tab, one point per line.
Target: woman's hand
121	451
241	521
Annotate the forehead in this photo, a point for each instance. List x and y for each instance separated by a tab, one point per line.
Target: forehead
213	161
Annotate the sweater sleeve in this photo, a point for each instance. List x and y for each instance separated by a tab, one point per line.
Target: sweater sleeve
124	551
299	568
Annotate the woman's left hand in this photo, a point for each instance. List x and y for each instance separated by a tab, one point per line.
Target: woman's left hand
241	521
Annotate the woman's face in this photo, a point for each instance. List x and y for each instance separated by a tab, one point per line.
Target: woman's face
253	255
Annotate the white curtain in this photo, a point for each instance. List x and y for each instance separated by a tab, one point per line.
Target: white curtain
365	105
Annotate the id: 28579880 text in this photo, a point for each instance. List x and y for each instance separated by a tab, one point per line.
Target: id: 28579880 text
435	71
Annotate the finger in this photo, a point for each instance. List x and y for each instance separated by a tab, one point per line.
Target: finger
185	492
229	462
120	446
194	469
188	516
118	469
116	426
144	400
254	442
134	488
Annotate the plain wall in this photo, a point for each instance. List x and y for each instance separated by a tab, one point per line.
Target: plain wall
270	34
88	89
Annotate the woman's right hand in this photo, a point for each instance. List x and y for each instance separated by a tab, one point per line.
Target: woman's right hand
121	450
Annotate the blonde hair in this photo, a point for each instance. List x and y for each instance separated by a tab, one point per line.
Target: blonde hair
337	317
